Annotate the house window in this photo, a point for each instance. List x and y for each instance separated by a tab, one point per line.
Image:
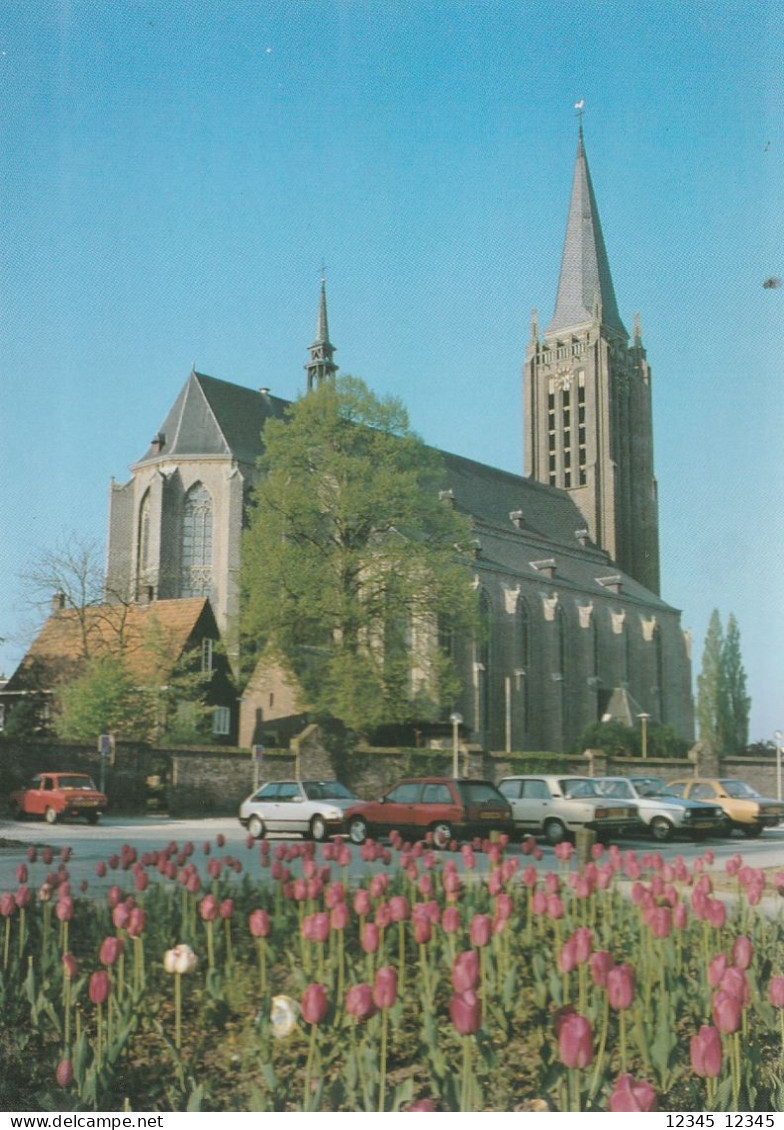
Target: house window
221	721
207	648
196	547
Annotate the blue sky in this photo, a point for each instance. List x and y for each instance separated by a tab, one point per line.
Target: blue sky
173	175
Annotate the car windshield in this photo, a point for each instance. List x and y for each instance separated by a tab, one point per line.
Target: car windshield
622	790
76	782
327	790
652	786
739	790
577	786
478	792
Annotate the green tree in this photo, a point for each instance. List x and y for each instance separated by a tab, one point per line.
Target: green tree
352	563
104	699
617	740
737	703
711	709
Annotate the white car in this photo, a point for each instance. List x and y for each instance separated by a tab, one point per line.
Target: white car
662	812
558	805
312	808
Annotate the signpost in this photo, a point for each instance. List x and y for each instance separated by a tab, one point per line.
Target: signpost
106	750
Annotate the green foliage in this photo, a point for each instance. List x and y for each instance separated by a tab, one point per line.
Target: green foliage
617	740
723	706
104	699
352	562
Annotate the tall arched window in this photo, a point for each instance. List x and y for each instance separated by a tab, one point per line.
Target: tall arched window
143	544
196	546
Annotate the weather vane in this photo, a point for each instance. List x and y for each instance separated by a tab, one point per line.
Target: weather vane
580	108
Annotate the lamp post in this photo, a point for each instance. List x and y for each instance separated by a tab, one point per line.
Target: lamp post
457	721
644	735
777	736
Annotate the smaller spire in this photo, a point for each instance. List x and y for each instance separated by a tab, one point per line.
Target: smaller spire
321	365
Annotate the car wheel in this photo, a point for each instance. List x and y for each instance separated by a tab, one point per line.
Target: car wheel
751	831
50	816
318	829
93	817
661	829
554	832
256	827
442	834
357	830
726	826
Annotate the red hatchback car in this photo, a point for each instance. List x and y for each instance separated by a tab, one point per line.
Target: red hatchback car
53	795
448	808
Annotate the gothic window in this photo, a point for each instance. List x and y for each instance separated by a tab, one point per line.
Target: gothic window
143	546
196	549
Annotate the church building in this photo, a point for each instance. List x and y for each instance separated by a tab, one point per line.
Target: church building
566	557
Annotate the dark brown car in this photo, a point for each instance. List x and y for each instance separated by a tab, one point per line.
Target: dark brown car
447	808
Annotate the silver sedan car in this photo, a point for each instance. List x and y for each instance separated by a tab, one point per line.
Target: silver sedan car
311	808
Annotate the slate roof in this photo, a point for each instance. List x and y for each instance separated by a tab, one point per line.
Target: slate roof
585	271
213	417
57	653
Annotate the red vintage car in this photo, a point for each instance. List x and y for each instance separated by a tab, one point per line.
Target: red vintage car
446	807
53	795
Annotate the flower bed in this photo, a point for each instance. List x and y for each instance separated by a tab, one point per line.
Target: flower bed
444	982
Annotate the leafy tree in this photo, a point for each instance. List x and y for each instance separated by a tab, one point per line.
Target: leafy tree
711	710
737	702
723	705
352	562
104	699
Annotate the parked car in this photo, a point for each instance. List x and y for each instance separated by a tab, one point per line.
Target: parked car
447	807
312	808
53	795
661	811
743	807
558	806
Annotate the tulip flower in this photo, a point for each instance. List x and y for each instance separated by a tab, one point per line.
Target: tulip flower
98	986
64	1073
465	1011
567	958
726	1010
575	1041
385	987
481	930
362	902
734	982
630	1096
314	1005
716	970
742	952
111	948
620	986
776	992
359	1002
421	1106
450	920
465	971
600	964
422	930
706	1053
370	937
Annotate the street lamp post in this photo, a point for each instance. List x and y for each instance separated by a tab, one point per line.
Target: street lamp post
644	727
777	736
457	721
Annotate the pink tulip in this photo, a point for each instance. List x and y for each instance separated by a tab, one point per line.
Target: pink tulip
465	1011
629	1095
137	922
421	1106
555	908
530	876
21	873
334	894
423	931
47	856
726	1011
552	884
370	937
7	905
319	927
362	902
98	986
600	964
734	982
538	902
706	1054
359	1002
64	909
620	986
567	959
208	908
575	1041
717	913
480	930
450	920
385	987
465	971
259	923
32	853
111	948
716	969
742	952
383	915
583	944
69	966
314	1005
120	916
64	1073
339	917
776	992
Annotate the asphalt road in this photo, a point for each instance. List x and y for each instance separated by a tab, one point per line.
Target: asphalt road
89	845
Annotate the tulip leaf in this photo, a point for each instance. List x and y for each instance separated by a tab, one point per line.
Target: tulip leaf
403	1094
195	1099
724	1094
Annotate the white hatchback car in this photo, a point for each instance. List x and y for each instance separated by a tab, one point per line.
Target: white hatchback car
312	808
558	805
662	811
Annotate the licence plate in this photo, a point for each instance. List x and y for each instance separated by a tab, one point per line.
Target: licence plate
617	812
87	803
490	816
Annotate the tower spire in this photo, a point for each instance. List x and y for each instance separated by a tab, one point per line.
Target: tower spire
585	281
321	364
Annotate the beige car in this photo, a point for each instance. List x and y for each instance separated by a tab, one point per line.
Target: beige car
743	807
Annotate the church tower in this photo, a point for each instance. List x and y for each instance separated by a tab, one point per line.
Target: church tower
321	365
587	399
